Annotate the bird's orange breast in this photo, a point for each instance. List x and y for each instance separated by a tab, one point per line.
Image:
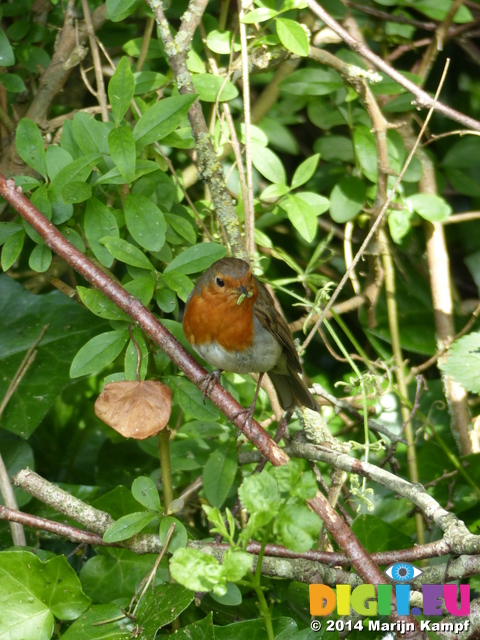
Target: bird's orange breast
210	317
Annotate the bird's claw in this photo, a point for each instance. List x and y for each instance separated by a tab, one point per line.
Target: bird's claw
208	381
246	424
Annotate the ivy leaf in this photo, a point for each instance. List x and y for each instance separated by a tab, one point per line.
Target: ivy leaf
463	362
33	593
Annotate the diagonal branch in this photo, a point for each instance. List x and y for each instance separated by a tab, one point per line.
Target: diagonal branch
336	526
422	98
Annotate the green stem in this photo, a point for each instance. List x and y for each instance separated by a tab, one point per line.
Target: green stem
389	270
165	467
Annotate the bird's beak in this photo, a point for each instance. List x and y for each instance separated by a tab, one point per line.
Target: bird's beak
244	293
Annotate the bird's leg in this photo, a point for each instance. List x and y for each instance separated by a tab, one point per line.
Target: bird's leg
209	381
247	420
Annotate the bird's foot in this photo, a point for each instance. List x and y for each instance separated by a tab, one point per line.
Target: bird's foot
246	423
209	381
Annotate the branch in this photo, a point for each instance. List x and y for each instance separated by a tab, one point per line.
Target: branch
423	100
337	527
209	168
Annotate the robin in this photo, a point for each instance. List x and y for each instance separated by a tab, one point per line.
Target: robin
232	323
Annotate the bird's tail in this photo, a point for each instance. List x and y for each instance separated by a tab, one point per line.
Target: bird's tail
292	391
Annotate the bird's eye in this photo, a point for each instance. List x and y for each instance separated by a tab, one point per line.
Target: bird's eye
402	572
220	282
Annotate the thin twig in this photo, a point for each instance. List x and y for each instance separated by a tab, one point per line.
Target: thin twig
100	93
380	216
423	99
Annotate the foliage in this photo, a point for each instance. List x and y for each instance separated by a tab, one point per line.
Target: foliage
119	175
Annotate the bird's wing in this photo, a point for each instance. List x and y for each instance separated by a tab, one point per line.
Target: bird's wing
269	318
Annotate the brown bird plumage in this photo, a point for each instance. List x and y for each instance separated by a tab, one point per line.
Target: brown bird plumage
231	321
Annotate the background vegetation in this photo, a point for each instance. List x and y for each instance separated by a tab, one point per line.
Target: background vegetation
333	146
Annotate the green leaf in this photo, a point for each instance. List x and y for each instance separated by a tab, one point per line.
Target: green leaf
305	171
221	42
142	288
90	134
399	224
146	81
297	527
312	82
69	326
123	151
190	399
30	145
274	191
7	58
463	362
197	258
180	283
235	564
99	221
182	227
219	473
260	496
40	258
115	574
195	570
34	593
75	192
82	628
7	229
118	10
335	148
98	353
127	252
128	526
259	15
430	207
12	249
77	171
100	305
347	199
162	118
438	9
211	88
145	222
301	215
268	164
56	159
201	630
292	36
120	89
377	535
161	606
142	167
12	82
145	491
179	538
366	151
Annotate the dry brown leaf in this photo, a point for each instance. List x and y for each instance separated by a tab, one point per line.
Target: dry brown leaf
135	409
